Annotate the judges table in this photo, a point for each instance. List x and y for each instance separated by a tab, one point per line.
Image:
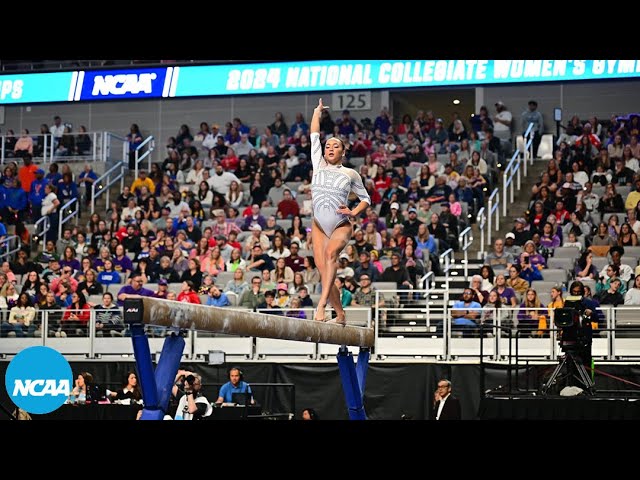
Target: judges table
91	412
237	412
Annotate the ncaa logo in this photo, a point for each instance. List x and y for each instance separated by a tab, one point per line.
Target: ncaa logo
38	379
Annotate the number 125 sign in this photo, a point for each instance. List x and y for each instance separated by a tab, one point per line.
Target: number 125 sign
351	101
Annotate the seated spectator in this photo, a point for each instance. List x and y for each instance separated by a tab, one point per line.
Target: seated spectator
498	258
612	295
611	273
135	288
549	239
238	285
24	144
507	294
535	259
22	317
90	285
572	241
489	313
515	281
188	293
76	317
465	313
295	309
530	310
217	298
632	297
269	305
108	317
584	268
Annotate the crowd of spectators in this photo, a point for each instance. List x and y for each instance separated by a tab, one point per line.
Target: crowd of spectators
234	203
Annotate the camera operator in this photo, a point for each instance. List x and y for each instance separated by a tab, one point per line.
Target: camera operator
589	312
192	404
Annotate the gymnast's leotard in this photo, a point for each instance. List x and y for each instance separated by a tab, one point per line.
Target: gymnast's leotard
330	188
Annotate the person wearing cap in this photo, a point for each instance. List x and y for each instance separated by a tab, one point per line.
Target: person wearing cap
332	184
257	236
502	121
532	115
510	247
210	140
283	299
412	223
163	289
394	216
521	235
300	171
366	267
344	269
142	180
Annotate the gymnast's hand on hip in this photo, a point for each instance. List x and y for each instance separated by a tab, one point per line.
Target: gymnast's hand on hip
344	210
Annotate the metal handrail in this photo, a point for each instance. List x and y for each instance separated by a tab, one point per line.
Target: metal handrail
152	144
43	222
97	188
493	208
513	169
465	240
446	257
75	212
6	242
481	220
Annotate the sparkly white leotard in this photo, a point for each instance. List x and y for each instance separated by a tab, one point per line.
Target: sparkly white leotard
330	188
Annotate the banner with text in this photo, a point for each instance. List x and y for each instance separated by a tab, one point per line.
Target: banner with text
290	77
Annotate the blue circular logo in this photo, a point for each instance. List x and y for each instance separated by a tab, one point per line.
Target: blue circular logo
38	379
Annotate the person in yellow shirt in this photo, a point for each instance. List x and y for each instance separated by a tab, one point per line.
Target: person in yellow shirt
141	181
634	197
556	302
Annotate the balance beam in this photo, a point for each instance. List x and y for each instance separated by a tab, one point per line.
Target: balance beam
169	313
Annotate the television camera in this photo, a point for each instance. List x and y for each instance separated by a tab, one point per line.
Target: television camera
573	322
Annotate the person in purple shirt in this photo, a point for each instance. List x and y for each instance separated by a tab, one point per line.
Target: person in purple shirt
549	239
135	288
122	263
535	259
69	259
255	218
507	294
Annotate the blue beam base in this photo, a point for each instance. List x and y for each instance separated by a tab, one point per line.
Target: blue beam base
353	380
156	386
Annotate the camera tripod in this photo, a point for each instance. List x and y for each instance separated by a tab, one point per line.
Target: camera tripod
573	369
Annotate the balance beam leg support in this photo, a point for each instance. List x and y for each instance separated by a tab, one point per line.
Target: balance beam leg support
144	364
362	367
167	368
352	391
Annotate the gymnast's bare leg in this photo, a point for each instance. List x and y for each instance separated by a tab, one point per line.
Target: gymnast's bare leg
325	253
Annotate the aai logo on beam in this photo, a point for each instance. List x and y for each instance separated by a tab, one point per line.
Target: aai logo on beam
38	379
